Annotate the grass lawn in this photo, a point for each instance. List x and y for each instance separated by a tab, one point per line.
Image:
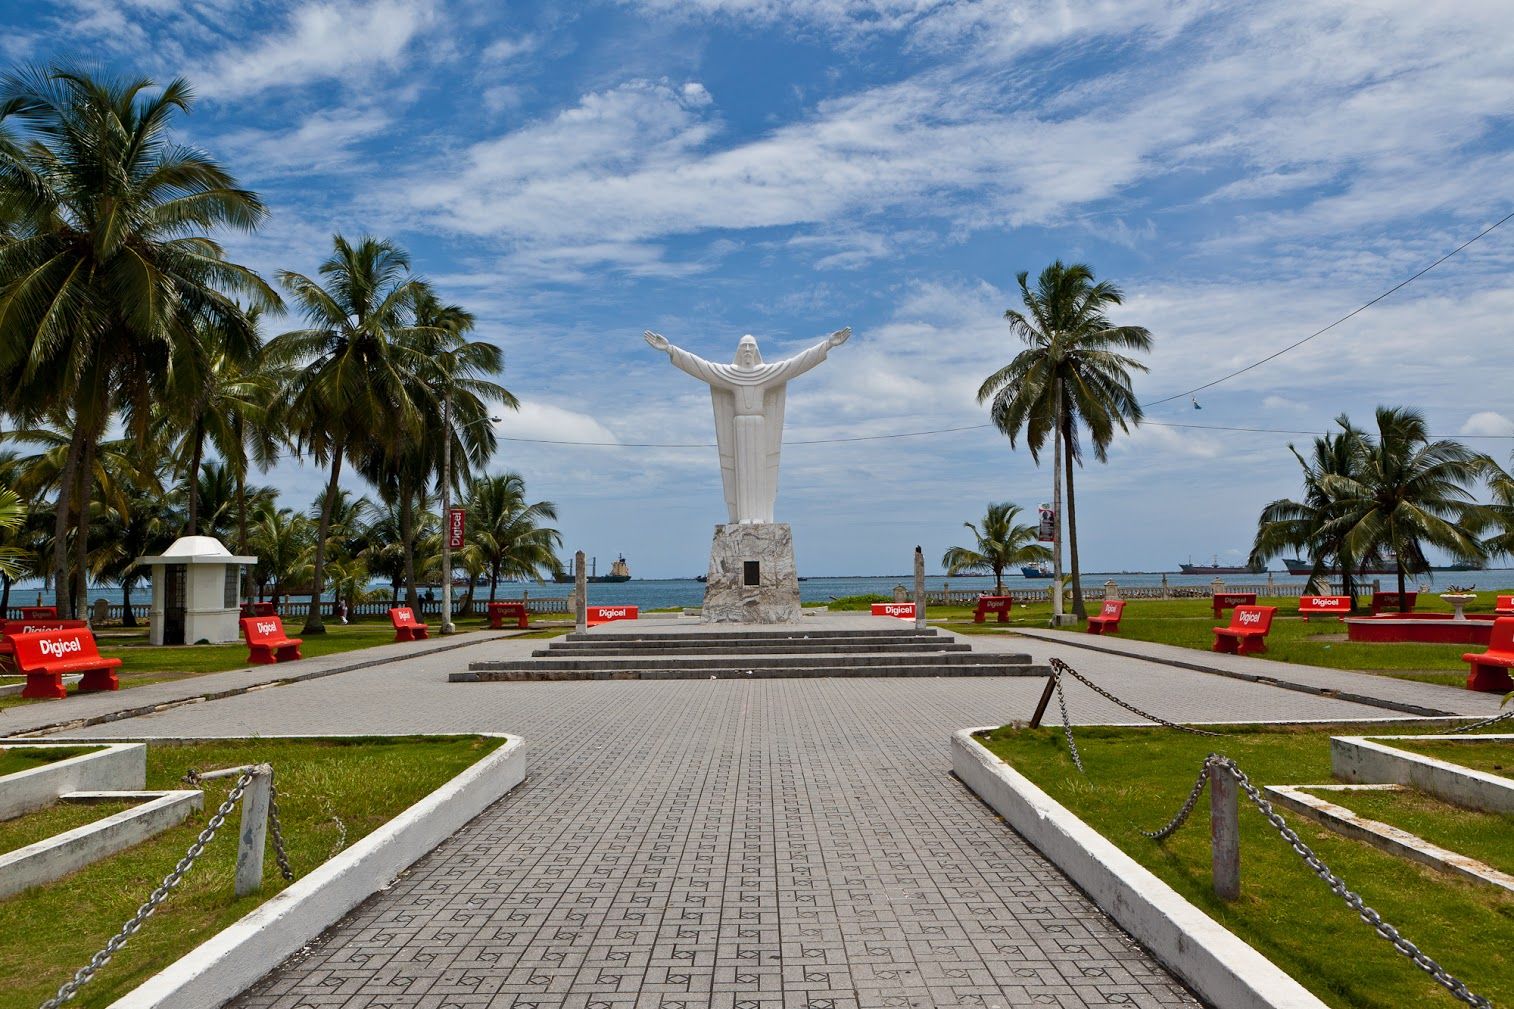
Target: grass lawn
40	824
1189	623
1483	836
1494	758
331	793
1137	778
23	758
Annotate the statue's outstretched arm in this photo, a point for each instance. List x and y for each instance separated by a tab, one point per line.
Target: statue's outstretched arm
657	340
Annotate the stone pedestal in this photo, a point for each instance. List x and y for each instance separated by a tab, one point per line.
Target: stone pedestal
752	579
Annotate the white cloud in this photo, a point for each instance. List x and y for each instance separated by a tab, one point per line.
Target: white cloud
1488	423
507	49
537	419
322	41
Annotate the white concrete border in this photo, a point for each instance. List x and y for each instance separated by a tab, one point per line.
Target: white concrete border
233	959
1383	836
8	689
111	767
1372	760
55	857
1209	958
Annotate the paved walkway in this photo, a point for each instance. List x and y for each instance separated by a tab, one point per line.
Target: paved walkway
730	843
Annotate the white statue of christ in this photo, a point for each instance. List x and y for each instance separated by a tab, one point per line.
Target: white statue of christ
748	396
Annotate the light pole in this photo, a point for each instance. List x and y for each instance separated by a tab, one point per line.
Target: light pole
447	626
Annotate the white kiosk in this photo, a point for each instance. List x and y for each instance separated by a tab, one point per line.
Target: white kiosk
196	592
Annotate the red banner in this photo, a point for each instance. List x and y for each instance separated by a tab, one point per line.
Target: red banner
904	611
456	520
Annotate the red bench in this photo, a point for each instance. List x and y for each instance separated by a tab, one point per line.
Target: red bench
39	613
604	614
1107	620
44	656
13	627
993	604
1490	669
1223	601
904	611
1505	606
1403	602
1309	606
406	627
500	612
1247	632
266	641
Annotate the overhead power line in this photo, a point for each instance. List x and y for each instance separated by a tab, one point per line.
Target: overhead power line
1349	315
932	431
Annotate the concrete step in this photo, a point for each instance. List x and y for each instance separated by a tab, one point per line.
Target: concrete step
816	647
795	633
534	672
712	663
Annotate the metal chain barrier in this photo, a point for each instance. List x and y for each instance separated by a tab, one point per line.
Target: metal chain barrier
1486	721
279	854
1337	885
100	959
1181	818
1058	668
111	948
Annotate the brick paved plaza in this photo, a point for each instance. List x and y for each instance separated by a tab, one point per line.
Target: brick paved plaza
763	843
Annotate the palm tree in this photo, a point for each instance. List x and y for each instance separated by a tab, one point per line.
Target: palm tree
1499	515
507	532
1314	524
282	539
1073	374
352	364
1000	544
110	265
1409	492
219	393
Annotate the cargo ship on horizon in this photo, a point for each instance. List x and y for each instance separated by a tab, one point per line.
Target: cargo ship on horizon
1217	568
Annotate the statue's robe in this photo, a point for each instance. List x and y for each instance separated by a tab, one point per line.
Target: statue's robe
749	424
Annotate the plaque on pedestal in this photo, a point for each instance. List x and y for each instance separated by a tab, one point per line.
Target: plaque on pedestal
752	579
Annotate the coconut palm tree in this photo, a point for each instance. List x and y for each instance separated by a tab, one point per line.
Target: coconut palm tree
111	263
1074	373
284	541
220	396
351	385
1499	514
1314	524
1000	543
1410	492
507	531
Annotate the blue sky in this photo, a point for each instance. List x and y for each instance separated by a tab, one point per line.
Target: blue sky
1246	172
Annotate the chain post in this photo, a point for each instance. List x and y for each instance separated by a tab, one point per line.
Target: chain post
253	837
1224	837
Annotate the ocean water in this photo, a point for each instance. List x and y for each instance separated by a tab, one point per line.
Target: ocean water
657	593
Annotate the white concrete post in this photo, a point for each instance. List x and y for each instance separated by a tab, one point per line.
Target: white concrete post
901	594
1217	586
1165	589
919	589
581	594
1224	834
1111	590
253	836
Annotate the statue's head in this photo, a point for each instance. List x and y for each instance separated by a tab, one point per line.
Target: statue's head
747	354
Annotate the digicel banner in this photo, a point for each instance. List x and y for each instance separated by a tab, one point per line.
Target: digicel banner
904	611
456	520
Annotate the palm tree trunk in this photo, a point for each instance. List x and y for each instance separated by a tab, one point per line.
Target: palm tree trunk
60	522
242	528
493	580
1400	584
193	480
1056	514
81	537
313	624
5	597
407	534
128	618
1072	525
998	581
